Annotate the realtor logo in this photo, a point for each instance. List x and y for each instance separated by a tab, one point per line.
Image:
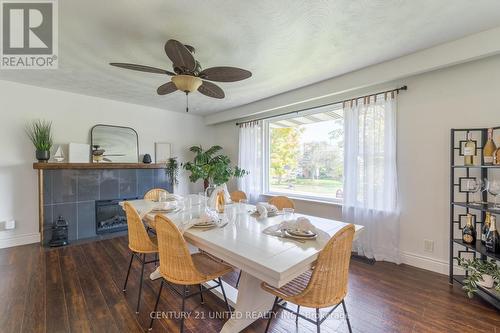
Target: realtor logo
29	35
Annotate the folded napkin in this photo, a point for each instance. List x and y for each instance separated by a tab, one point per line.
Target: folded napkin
263	209
300	224
206	217
149	206
164	205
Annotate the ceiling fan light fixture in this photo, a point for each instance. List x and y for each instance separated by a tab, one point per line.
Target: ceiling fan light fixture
187	83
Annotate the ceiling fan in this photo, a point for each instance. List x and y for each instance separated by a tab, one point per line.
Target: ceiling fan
188	75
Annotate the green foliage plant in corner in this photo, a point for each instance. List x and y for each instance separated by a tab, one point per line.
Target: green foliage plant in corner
211	166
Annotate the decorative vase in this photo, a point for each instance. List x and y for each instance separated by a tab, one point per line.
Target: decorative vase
209	190
42	156
146	159
486	281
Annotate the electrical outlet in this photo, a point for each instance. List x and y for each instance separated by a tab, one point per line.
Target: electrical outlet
428	245
10	224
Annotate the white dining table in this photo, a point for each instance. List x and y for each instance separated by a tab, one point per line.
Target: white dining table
261	257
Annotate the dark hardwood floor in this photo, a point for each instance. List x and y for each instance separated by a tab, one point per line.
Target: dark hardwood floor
79	289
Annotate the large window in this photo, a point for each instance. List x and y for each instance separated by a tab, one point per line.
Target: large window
305	155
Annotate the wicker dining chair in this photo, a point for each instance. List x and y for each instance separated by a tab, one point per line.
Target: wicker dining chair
140	244
323	286
178	266
236	196
154	194
281	202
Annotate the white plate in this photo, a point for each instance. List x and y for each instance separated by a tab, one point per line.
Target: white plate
163	210
301	233
204	225
299	237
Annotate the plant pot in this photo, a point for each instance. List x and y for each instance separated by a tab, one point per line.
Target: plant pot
42	155
486	281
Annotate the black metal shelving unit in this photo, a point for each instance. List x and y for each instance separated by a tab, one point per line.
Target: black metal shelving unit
462	203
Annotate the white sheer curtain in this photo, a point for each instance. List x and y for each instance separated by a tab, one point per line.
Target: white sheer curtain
370	176
250	158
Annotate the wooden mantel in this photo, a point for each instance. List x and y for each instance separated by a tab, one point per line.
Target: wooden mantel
83	166
40	167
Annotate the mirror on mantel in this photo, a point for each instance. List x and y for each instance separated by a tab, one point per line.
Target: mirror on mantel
114	144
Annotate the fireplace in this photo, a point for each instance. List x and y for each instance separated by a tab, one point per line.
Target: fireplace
110	216
72	193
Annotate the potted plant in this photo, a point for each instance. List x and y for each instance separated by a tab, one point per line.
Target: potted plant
482	273
40	134
172	171
211	166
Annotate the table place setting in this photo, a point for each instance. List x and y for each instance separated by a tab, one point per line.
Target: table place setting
300	230
264	210
164	197
153	208
209	219
165	207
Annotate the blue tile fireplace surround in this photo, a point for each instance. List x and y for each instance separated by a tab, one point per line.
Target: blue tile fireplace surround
72	194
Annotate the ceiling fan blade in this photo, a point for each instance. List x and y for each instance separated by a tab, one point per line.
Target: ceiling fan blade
211	90
190	48
225	74
166	88
180	55
141	68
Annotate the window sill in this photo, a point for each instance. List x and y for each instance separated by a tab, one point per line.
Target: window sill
305	199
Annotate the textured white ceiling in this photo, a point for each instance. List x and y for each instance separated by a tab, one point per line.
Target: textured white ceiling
286	44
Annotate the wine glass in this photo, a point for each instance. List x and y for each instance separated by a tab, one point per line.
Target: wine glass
162	196
288	213
494	189
231	212
473	186
203	199
242	205
181	203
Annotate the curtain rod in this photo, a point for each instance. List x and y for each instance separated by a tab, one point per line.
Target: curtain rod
320	106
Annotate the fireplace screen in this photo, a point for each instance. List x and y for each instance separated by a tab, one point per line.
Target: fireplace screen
110	216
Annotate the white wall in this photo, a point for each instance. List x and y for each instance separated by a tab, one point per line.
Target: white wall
456	97
72	116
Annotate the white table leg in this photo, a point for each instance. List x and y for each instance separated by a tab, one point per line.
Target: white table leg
252	303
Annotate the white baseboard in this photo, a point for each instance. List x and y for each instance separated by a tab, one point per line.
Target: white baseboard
20	240
430	264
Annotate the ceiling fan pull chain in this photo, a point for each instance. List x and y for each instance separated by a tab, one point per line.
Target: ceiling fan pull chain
187	102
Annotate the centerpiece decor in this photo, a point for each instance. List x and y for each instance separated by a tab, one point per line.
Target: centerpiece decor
211	166
482	273
40	134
